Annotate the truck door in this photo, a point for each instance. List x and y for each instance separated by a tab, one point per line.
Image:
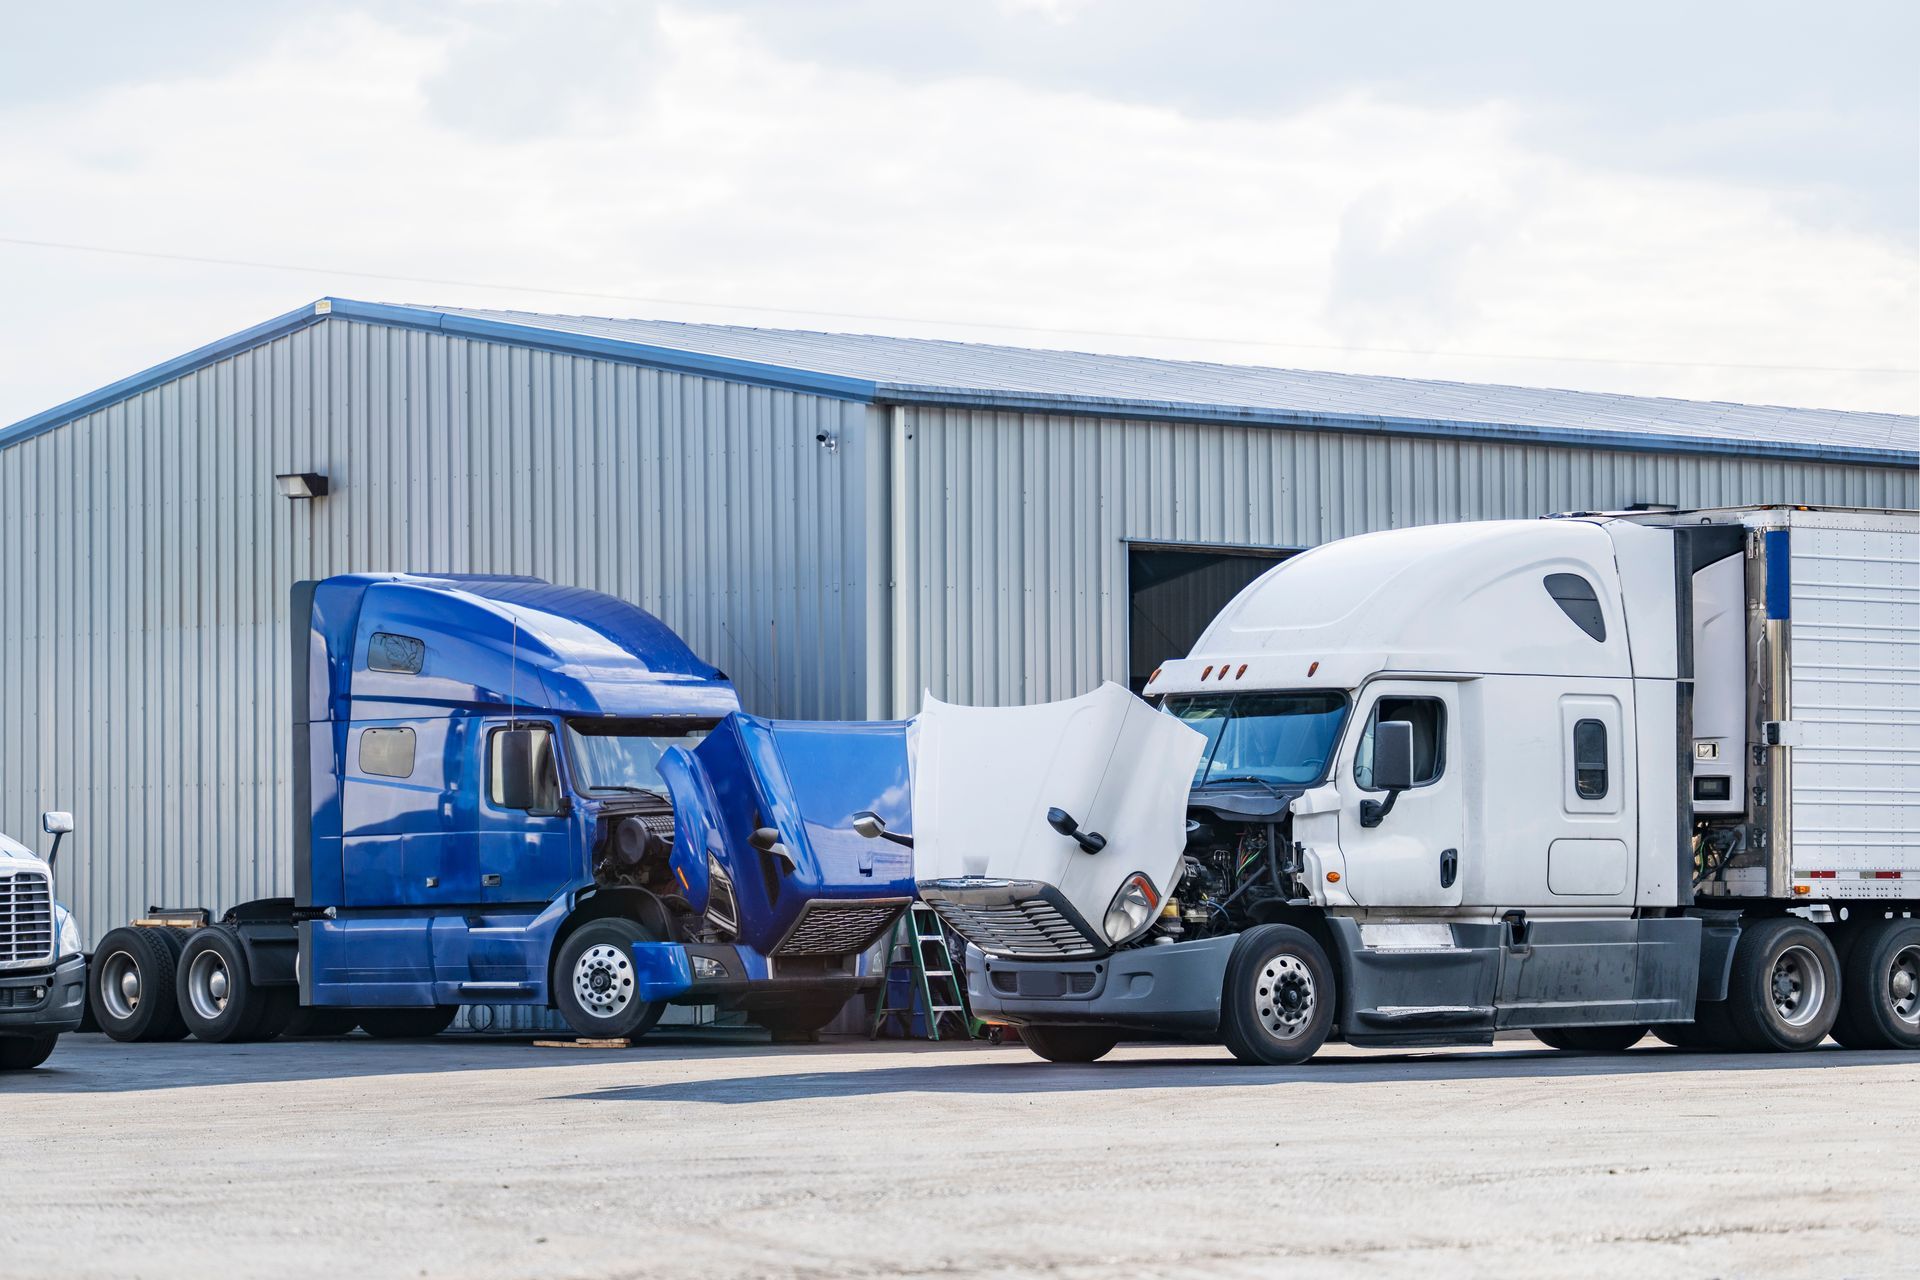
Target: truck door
526	855
1413	857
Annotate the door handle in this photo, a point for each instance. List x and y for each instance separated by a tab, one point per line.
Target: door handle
491	880
1449	867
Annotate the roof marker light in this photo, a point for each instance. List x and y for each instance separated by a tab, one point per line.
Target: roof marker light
1154	676
1312	668
1242	671
1207	672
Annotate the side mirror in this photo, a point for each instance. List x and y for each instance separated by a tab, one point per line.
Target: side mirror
56	823
1392	768
518	761
1067	825
767	840
874	827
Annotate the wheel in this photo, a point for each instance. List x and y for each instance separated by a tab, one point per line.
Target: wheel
1277	1004
130	985
1880	987
416	1023
312	1022
1785	989
593	981
1710	1029
798	1024
24	1053
1070	1044
1591	1039
216	991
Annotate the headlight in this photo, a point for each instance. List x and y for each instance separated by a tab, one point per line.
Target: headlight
722	910
67	930
1132	909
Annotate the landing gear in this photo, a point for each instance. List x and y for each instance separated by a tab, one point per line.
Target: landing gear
1277	1005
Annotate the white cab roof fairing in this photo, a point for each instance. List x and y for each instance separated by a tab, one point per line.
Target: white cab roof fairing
984	778
1468	597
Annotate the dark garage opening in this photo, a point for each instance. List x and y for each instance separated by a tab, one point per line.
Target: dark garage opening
1173	593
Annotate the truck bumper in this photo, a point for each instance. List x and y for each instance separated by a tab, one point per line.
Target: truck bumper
44	1002
1173	988
707	973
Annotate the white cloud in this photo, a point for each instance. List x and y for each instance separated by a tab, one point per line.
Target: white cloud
720	170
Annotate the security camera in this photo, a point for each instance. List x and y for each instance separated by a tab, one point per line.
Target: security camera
827	442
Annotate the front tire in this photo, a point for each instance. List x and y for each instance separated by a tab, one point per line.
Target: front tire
1277	1005
1785	989
1880	988
1070	1044
1591	1039
594	981
130	985
24	1053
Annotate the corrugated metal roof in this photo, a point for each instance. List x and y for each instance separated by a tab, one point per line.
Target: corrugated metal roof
933	371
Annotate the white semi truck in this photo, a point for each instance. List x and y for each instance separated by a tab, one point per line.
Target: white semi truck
1584	776
43	965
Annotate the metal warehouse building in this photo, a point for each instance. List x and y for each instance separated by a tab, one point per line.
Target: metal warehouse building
838	521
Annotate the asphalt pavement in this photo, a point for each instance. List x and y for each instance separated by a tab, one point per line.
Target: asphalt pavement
715	1154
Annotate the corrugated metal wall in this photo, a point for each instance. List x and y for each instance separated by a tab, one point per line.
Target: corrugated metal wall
1009	549
145	559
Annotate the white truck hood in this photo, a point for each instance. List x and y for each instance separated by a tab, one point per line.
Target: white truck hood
984	778
16	857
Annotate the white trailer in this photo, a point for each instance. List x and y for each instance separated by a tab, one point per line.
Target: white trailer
1585	776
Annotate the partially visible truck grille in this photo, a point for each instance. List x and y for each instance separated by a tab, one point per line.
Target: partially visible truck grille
26	920
827	928
1002	921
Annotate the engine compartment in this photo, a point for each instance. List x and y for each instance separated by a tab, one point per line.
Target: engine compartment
1239	869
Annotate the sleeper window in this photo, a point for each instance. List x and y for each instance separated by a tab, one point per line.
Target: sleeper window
1589	759
1428	716
387	753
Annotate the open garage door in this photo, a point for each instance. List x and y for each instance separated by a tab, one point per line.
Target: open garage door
1173	593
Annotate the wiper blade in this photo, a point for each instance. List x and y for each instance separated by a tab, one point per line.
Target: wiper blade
1240	777
620	786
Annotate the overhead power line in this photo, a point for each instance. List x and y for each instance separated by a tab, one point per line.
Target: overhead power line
817	313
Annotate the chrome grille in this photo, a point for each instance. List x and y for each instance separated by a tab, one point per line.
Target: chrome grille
1031	927
838	928
26	919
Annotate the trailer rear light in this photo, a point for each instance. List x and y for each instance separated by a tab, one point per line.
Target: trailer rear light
1803	889
1822	875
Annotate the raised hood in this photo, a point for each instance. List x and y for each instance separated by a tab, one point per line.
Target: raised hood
985	777
825	890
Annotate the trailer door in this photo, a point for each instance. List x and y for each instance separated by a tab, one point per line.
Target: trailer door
1413	857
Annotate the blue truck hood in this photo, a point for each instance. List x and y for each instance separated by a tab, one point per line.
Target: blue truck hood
806	780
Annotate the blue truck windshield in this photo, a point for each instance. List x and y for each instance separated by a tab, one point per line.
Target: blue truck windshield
1281	739
612	756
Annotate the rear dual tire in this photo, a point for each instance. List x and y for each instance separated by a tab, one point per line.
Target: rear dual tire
131	985
1880	987
1784	990
218	999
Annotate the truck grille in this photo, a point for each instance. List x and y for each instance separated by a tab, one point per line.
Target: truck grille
26	920
839	928
1029	928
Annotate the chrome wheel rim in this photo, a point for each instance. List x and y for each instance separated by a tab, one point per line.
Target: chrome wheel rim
209	985
603	980
1798	986
120	985
1284	994
1903	986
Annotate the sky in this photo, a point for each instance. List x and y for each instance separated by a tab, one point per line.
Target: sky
1707	200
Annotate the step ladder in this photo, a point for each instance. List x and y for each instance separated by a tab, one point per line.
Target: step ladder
917	948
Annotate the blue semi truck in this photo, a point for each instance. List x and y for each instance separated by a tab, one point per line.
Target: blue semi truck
509	792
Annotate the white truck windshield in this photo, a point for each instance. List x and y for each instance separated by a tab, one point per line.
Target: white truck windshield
1280	739
613	756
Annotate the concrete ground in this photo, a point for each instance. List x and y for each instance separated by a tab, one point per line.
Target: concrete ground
713	1154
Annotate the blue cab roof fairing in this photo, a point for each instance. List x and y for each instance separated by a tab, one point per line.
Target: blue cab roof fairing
503	642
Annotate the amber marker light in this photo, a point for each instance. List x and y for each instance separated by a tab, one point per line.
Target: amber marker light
1333	877
1312	668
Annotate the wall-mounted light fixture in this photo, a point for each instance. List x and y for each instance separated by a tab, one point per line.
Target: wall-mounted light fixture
302	484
